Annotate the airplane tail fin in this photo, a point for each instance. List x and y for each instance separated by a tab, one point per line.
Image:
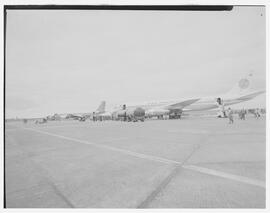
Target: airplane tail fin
242	87
101	107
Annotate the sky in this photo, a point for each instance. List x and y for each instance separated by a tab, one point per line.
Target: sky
63	61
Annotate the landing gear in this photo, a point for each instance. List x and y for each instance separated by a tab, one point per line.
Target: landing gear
160	117
134	119
175	116
82	119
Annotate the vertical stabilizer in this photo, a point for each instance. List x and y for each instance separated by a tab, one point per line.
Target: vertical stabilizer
101	107
242	87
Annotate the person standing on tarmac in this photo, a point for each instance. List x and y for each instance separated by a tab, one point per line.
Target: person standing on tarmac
257	113
94	116
230	116
244	114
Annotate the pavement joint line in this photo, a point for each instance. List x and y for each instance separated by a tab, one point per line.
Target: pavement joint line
48	179
238	178
144	204
166	181
162	160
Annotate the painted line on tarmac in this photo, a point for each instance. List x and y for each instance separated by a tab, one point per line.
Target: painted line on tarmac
124	151
44	126
60	126
238	178
114	139
11	130
188	131
214	133
241	179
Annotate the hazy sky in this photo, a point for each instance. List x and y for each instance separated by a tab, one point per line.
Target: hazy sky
68	61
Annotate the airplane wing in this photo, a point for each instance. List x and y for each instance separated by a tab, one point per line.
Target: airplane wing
182	104
176	107
78	116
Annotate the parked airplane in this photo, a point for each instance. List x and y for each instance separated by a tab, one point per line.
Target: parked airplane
152	109
240	93
83	116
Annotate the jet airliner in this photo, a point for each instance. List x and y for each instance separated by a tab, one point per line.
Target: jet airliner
239	93
83	116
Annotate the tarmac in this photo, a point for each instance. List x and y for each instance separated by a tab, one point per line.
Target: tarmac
187	163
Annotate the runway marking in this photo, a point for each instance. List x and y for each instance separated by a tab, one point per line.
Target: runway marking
11	130
71	125
131	153
238	178
162	160
56	126
114	139
214	133
189	131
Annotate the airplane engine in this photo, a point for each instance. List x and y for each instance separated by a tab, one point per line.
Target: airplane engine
132	114
139	112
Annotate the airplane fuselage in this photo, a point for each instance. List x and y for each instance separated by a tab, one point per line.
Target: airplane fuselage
209	103
202	104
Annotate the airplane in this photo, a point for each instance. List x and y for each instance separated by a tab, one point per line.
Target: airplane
41	121
83	116
103	116
241	92
174	109
135	112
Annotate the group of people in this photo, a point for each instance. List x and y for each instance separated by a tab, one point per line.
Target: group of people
242	114
257	113
223	113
